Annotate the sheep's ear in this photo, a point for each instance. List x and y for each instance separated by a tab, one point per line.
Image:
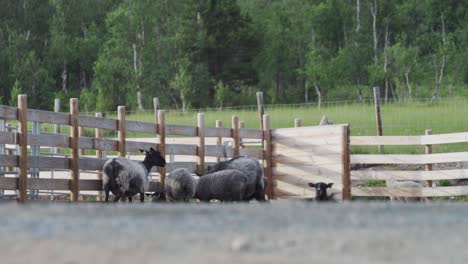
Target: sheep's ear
311	184
330	185
153	151
143	151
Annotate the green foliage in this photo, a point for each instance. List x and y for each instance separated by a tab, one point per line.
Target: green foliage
202	53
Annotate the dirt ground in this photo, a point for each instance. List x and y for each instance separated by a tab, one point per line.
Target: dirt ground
278	232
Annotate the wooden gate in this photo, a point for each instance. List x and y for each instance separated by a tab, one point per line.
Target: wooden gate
310	154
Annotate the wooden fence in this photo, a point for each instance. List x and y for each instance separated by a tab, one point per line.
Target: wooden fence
310	154
426	159
75	142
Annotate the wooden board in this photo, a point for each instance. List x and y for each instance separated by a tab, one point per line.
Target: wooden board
97	122
327	171
384	140
181	130
250	133
8	183
8	112
98	143
181	149
306	159
297	148
280	186
9	161
219	151
218	132
308	142
191	166
302	181
61	184
48	117
255	153
308	132
135	146
409	140
409	158
138	126
49	140
91	163
8	138
410	192
410	175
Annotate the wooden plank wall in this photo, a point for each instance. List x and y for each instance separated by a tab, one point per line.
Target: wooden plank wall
424	175
191	155
307	154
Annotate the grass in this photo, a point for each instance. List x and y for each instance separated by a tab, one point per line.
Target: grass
410	117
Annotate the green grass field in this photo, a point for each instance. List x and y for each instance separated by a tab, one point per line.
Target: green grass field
410	117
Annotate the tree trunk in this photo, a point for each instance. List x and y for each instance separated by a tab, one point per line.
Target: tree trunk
184	103
358	10
64	77
408	83
319	95
359	90
386	62
137	77
438	79
374	29
306	91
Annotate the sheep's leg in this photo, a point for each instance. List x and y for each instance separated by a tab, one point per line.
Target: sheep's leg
106	193
130	199
142	197
116	198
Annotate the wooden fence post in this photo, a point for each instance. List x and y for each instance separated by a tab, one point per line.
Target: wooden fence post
235	135
260	107
201	144
297	122
219	139
378	115
98	135
162	149
428	150
121	131
23	148
35	152
2	152
241	125
346	191
55	149
267	155
74	158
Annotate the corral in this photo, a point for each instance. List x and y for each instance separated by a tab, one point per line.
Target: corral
291	157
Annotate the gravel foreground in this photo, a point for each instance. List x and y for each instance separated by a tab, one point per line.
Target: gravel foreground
279	232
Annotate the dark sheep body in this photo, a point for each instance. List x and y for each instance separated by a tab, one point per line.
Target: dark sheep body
126	178
225	186
251	168
179	185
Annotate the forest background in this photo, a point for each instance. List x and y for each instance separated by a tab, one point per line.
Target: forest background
218	53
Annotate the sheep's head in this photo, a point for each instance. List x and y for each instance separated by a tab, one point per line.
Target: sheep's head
321	190
154	157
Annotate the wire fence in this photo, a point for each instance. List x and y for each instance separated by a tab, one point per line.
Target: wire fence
408	117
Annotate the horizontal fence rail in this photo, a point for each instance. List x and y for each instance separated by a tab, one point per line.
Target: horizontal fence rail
424	177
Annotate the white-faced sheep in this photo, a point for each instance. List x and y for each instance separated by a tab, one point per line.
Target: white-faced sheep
126	178
321	193
226	185
251	168
405	184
